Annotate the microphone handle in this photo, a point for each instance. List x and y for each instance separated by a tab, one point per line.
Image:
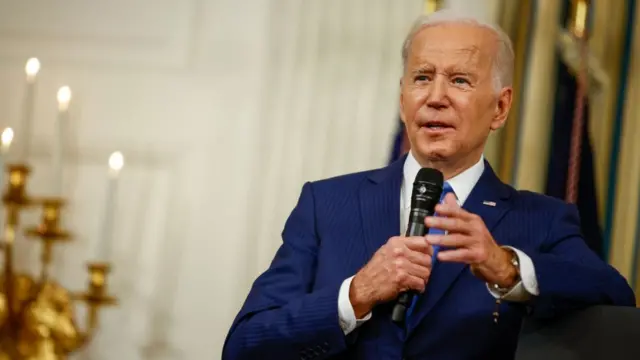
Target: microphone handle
416	228
399	312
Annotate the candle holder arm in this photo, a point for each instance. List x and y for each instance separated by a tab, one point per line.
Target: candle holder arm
95	298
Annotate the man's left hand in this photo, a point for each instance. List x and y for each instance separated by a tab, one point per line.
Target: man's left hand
470	242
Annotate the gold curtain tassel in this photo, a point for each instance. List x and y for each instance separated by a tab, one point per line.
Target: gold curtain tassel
431	6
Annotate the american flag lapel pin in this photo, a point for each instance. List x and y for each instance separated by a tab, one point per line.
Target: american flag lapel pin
489	203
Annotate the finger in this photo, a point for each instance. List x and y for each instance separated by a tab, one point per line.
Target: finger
451	224
453	210
418	270
419	258
416	243
406	260
405	281
413	283
461	255
405	267
451	199
430	250
400	245
450	240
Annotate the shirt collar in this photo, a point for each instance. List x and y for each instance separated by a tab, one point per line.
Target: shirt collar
462	184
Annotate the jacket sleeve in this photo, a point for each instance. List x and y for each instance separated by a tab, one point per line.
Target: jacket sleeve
570	275
282	318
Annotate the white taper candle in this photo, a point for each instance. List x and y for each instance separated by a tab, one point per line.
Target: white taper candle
64	97
24	132
6	139
116	162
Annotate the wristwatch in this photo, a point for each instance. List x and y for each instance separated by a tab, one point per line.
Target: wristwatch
515	261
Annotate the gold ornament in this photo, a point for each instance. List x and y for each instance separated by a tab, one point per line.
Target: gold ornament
37	319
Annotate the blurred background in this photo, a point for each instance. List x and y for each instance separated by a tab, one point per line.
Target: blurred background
215	112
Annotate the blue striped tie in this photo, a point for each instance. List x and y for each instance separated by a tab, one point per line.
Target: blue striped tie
433	231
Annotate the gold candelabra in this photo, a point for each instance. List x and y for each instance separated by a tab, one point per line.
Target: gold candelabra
37	319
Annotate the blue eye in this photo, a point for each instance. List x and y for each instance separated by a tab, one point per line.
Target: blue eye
460	81
421	78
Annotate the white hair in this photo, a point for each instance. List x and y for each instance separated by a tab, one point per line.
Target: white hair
503	62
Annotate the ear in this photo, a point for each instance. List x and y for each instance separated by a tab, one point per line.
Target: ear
503	106
402	117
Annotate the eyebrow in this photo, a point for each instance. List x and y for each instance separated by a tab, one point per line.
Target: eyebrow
424	69
453	70
460	71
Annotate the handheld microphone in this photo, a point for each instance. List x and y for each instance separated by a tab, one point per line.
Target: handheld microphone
427	189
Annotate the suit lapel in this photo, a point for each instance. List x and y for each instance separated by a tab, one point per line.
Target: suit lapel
488	188
380	205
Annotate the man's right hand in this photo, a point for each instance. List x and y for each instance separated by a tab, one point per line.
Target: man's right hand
403	263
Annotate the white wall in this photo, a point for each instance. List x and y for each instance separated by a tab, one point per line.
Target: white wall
488	10
223	108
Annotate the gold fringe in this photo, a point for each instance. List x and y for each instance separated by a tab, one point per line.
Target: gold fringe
625	226
535	124
515	20
606	42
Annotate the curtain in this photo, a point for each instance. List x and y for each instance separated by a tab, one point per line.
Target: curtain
625	236
330	102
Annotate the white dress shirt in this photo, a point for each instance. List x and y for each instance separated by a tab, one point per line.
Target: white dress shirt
462	184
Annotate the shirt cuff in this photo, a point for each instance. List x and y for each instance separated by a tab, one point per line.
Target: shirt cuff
528	284
348	321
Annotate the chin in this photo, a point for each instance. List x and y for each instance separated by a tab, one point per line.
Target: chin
434	150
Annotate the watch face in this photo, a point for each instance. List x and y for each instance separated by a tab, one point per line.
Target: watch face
500	290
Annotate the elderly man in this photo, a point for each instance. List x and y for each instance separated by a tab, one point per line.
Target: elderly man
507	254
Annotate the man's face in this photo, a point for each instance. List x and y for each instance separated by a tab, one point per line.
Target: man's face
448	100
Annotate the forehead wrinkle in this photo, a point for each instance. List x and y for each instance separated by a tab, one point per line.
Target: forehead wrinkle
469	54
465	64
477	48
470	62
481	45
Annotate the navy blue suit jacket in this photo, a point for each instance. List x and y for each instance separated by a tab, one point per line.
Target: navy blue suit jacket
291	311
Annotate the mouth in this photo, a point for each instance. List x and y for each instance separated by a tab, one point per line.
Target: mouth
437	126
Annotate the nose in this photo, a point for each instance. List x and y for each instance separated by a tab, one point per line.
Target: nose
437	95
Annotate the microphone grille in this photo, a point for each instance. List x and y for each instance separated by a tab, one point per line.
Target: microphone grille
430	175
427	189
